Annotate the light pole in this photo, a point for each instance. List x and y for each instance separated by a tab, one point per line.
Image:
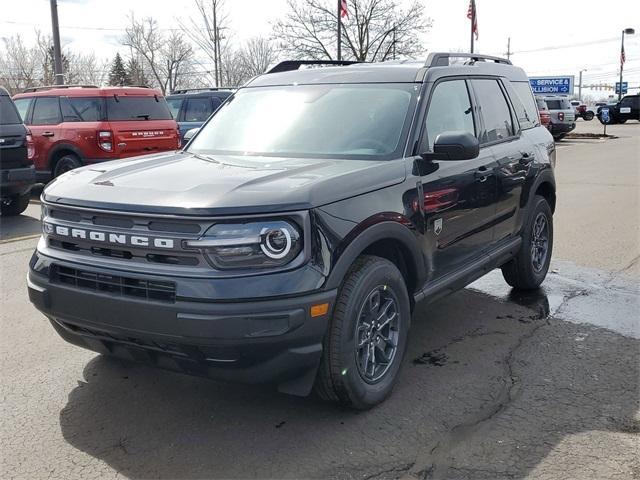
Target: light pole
628	31
580	85
57	53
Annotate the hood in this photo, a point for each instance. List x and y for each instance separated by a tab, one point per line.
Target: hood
193	184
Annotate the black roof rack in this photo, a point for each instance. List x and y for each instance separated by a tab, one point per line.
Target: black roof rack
441	59
288	65
49	87
204	89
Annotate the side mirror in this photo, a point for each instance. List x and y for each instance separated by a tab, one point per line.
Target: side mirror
454	146
190	134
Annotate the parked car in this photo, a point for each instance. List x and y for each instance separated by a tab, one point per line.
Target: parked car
582	111
192	107
17	173
288	244
543	111
563	117
628	108
75	125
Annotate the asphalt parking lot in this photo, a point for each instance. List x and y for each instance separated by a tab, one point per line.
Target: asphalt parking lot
496	384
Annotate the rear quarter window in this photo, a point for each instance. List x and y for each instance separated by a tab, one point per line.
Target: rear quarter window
8	113
137	108
524	105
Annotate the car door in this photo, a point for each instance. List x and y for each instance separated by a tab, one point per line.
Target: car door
458	196
514	152
45	119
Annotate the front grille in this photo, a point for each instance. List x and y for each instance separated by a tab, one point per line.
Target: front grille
114	284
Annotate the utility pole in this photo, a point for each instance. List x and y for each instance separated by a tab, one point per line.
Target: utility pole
339	30
509	52
580	85
216	40
57	52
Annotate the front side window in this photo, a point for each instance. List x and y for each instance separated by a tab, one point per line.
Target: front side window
46	111
198	110
498	124
449	111
345	121
22	104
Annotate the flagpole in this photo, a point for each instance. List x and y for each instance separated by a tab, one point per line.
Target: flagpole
473	20
339	31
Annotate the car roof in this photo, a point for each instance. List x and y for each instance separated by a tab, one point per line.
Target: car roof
86	91
404	71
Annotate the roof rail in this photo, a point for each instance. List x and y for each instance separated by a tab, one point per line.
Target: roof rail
204	89
288	65
441	59
49	87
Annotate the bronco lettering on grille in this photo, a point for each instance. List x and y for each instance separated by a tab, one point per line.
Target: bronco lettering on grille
107	237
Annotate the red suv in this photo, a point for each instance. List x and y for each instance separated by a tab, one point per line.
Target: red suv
79	125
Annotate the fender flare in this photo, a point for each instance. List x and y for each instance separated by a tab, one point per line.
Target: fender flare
64	146
545	176
383	230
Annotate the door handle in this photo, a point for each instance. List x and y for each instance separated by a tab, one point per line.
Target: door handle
47	134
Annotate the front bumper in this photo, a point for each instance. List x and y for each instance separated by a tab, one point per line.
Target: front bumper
17	180
273	341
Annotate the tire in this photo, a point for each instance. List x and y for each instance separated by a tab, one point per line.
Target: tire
588	116
622	120
19	204
559	136
348	373
66	163
528	269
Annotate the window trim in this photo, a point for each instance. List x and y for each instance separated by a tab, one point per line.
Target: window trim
498	80
34	111
424	109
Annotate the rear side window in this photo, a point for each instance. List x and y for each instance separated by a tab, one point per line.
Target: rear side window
174	106
22	104
8	113
524	104
46	111
498	124
449	111
82	109
137	108
198	110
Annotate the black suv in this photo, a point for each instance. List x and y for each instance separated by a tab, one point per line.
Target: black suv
17	173
192	107
290	240
628	108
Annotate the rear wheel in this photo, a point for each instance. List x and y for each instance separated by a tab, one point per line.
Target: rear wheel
367	336
529	268
622	120
17	205
588	116
559	136
66	163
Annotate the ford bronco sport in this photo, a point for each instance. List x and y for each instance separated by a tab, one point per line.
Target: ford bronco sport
76	125
563	116
16	159
290	240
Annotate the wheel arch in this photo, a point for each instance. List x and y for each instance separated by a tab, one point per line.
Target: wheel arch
387	239
60	150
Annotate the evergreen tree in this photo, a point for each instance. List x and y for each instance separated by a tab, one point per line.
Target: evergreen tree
135	72
118	74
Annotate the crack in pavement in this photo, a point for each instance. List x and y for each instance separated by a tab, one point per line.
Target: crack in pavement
398	469
432	464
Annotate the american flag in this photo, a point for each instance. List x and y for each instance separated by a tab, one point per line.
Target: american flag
472	15
623	58
343	9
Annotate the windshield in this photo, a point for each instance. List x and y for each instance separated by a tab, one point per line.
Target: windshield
137	108
364	121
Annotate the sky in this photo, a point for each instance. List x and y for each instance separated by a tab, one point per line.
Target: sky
548	37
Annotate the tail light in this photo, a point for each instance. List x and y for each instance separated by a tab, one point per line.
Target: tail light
31	147
105	140
561	116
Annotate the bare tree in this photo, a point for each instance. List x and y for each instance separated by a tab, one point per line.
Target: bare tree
20	65
376	30
257	55
168	57
206	32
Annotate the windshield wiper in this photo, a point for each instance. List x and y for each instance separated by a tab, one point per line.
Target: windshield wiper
145	116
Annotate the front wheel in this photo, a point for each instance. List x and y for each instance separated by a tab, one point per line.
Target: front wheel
528	269
367	336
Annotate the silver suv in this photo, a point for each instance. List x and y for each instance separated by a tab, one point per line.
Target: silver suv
563	116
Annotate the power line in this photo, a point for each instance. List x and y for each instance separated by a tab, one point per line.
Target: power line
568	45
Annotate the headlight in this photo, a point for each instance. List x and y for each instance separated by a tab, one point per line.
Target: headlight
250	245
